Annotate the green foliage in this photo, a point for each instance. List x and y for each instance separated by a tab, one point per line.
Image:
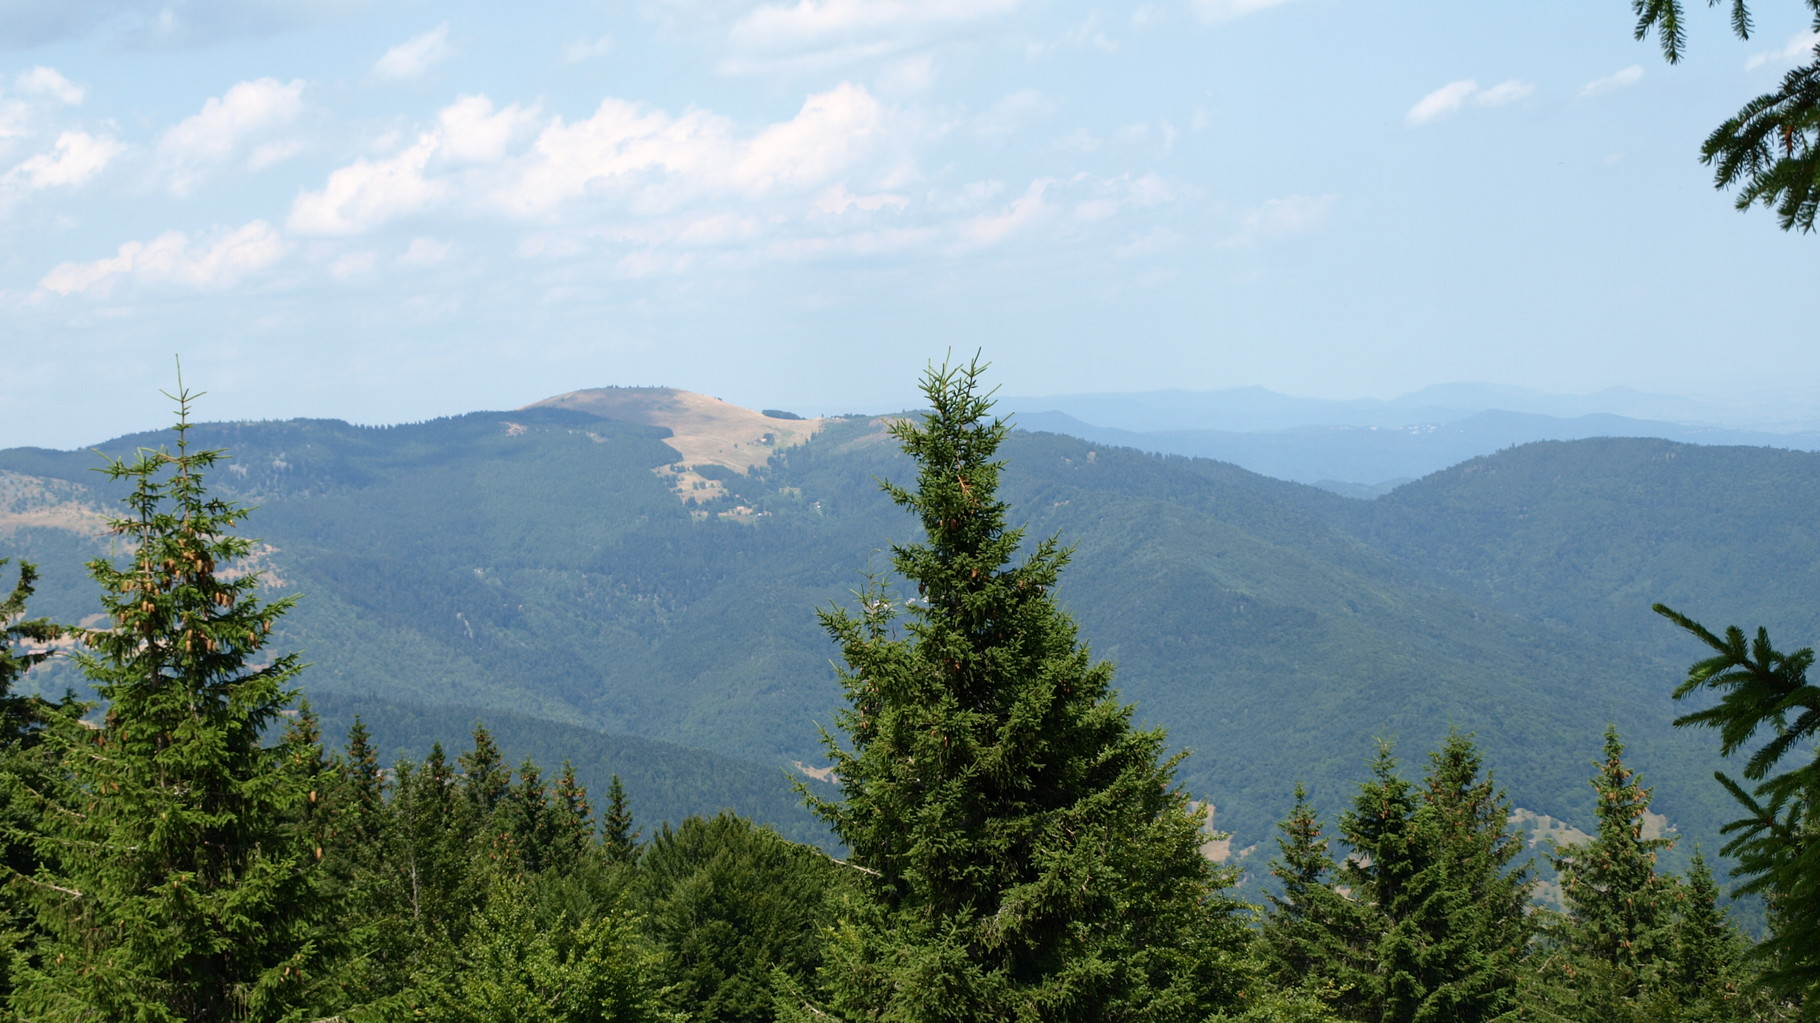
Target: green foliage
1611	954
1272	627
1777	842
1610	885
179	878
20	714
1022	854
1445	918
1312	936
665	781
25	770
572	822
1770	149
520	966
733	906
617	834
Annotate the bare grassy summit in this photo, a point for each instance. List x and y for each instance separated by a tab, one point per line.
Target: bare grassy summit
704	431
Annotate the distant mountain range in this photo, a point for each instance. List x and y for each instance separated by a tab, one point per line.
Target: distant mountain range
642	566
1365	447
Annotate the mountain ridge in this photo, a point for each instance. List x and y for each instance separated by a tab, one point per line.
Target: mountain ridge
533	562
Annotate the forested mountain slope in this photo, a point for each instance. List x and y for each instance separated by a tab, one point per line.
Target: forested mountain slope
1589	534
543	563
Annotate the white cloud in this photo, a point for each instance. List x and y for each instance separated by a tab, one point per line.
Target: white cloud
367	193
473	131
827	136
1450	98
824	33
1798	46
269	154
1611	83
1114	195
658	159
1446	100
1504	92
76	158
1215	11
1148	16
217	262
647	159
620	147
14	116
47	80
223	127
414	56
1025	211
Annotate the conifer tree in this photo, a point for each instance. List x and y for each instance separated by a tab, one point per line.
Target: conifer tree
485	778
530	820
177	884
1311	934
1387	873
363	788
616	831
732	905
572	827
1764	695
1483	926
1770	149
26	771
1020	851
519	966
1620	910
20	715
1706	965
432	847
375	921
1431	871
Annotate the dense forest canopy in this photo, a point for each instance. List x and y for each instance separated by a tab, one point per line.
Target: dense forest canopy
1015	845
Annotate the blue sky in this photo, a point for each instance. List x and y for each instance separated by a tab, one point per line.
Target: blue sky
392	211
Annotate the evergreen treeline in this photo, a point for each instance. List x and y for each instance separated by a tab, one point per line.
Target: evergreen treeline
1016	849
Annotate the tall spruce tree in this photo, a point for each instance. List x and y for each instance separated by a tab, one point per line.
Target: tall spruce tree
1311	935
1706	974
1431	871
1020	851
617	834
178	884
1620	910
